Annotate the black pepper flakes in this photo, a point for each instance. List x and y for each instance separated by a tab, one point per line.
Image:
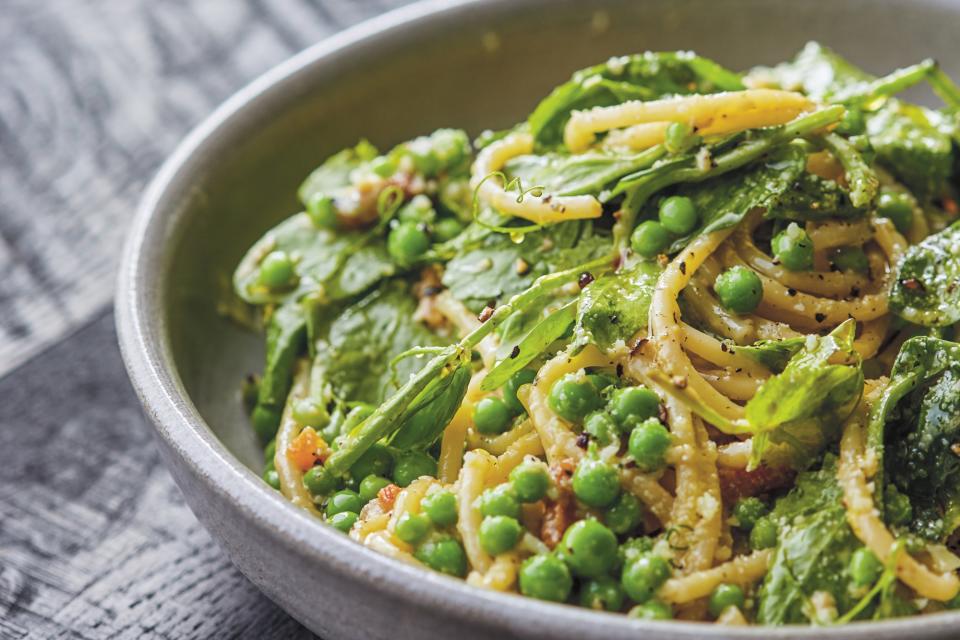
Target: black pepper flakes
820	317
683	268
791	292
583	440
515	351
585	279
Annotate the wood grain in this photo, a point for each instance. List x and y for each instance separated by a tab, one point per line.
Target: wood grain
95	540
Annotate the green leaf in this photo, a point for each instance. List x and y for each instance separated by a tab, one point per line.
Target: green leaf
541	336
333	175
814	198
911	145
817	71
918	418
615	307
286	334
796	413
646	76
773	354
432	410
814	548
343	263
927	288
499	267
584	173
366	337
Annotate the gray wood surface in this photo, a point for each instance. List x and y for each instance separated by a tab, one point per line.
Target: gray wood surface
95	540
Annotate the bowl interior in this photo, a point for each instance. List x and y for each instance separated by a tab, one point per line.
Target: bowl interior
477	66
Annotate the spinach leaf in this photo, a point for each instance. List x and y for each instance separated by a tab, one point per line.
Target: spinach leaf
499	267
724	200
542	335
584	173
817	71
615	307
773	354
343	263
646	76
919	416
432	410
927	288
286	336
366	337
334	174
909	144
814	198
814	548
797	412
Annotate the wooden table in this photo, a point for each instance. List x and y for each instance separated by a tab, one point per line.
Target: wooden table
95	539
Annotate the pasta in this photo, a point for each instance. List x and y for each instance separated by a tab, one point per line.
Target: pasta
680	345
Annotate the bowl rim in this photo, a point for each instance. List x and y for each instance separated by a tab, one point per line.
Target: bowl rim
146	352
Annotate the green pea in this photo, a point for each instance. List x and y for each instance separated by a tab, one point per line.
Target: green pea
643	576
601	427
648	445
377	460
491	416
322	211
413	527
763	535
851	259
271	477
739	289
633	403
793	248
343	521
412	465
499	534
510	387
418	210
748	510
276	270
596	483
499	501
625	514
679	137
678	215
345	500
270	452
545	577
319	481
370	487
898	510
530	481
265	421
441	508
650	239
601	594
897	207
601	381
407	242
447	229
724	595
634	548
864	568
652	610
589	548
444	554
572	397
310	413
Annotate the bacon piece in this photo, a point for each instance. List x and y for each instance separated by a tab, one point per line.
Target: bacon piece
387	496
740	483
559	513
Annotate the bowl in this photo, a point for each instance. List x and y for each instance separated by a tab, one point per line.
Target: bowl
462	64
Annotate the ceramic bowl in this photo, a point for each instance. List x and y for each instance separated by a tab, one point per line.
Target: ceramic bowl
465	64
